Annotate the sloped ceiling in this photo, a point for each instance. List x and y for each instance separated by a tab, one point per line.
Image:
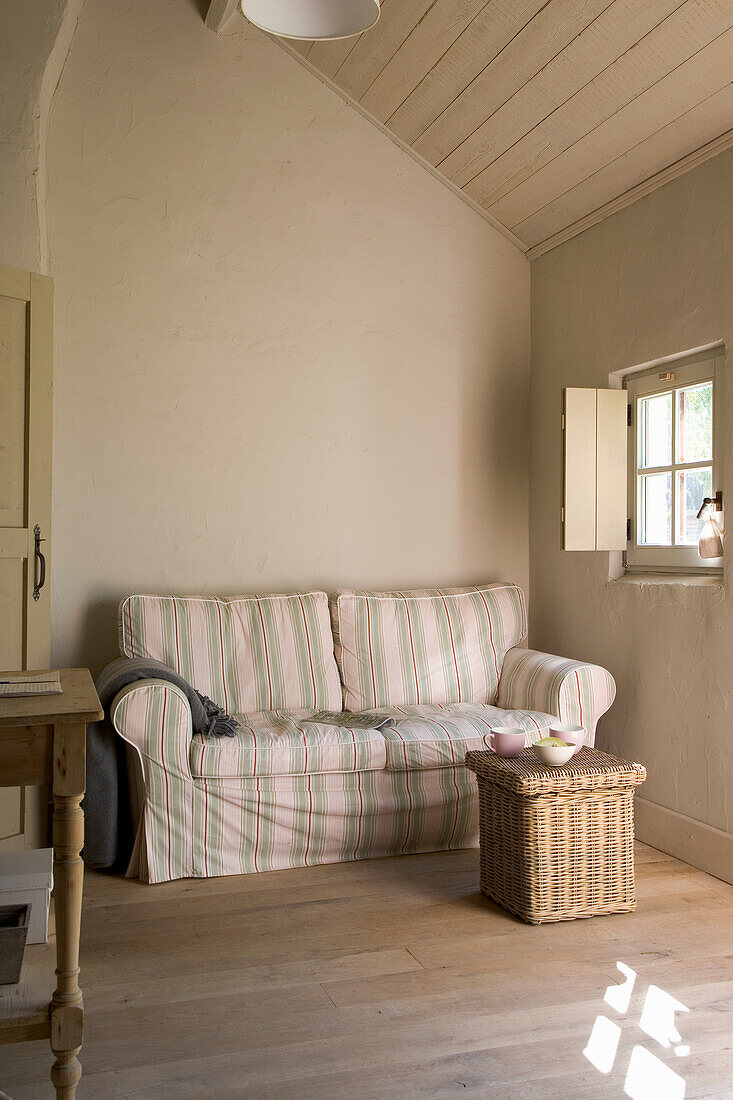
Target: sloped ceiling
547	114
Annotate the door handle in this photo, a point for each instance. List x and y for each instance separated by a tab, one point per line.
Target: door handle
39	575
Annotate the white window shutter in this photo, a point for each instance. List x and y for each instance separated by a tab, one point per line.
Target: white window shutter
595	454
611	469
579	528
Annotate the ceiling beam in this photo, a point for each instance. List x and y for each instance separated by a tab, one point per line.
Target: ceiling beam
219	14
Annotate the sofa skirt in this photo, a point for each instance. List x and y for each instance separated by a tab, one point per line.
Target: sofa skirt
208	827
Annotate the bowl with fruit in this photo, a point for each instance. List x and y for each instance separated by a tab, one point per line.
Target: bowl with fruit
553	751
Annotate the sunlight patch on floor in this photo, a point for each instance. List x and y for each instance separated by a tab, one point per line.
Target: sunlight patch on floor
647	1076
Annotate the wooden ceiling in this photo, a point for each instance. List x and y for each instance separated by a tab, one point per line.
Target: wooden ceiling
547	114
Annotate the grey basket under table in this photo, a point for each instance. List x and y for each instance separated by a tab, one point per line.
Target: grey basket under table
557	843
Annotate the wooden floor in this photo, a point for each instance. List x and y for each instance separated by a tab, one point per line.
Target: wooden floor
394	978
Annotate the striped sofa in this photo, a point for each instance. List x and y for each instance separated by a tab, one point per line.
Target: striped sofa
289	791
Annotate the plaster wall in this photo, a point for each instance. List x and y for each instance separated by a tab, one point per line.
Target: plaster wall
28	32
286	356
652	280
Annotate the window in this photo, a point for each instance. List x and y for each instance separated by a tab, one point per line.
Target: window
674	462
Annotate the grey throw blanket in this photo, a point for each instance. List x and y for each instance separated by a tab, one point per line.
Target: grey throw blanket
108	833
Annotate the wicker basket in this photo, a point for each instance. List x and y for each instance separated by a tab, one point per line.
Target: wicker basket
557	843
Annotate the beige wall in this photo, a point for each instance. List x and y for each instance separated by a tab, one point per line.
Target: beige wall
652	280
28	32
286	355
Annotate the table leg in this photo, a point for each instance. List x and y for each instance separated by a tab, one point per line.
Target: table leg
68	839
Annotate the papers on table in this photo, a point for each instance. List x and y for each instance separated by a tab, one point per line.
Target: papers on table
25	683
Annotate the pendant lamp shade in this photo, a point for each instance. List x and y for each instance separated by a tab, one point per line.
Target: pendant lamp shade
312	18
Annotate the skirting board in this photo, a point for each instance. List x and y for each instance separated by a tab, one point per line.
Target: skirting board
683	837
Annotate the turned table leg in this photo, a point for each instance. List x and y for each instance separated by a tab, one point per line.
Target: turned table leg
68	840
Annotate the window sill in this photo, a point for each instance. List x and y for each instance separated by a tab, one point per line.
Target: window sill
702	580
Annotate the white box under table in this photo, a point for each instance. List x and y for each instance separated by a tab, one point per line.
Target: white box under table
26	878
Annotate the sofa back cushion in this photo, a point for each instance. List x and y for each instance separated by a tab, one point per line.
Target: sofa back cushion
429	646
248	653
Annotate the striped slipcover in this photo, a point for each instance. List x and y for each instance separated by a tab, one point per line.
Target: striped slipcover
287	793
577	693
427	646
440	736
275	743
193	828
247	653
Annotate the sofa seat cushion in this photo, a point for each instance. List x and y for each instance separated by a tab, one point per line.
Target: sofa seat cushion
247	653
278	743
439	737
423	647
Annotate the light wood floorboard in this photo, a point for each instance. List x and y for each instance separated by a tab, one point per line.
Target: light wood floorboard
385	979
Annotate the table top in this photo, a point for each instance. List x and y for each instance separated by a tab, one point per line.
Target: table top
526	774
78	701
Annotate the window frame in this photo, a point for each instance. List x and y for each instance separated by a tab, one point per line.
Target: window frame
688	371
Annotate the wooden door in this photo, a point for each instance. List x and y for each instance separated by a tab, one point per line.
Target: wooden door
26	380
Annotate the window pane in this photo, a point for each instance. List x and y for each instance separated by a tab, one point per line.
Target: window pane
655	430
692	487
695	423
655	509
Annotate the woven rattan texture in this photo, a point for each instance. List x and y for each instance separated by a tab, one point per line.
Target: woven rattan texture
561	852
590	769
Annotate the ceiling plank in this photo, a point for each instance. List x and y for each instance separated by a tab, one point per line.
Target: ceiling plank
670	98
610	35
684	34
546	35
328	57
484	38
375	48
646	159
656	54
535	110
673	171
512	168
420	51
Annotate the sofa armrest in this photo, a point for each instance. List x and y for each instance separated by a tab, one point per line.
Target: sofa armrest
577	693
154	716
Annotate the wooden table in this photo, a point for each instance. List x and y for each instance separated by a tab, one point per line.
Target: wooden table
43	741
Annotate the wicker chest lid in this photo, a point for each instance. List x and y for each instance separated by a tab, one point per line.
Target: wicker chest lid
526	776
